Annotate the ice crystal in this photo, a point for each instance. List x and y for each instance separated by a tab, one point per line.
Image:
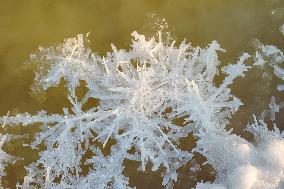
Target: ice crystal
141	91
270	56
5	158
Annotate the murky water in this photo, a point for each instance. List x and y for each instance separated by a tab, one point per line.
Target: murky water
25	25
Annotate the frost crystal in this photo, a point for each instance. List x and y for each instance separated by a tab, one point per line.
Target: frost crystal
268	55
141	91
4	157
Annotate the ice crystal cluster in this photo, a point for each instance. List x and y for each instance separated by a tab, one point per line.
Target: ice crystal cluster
140	92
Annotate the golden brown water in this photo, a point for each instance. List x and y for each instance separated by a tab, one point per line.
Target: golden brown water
25	25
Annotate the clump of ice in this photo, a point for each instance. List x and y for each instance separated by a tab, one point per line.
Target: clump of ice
246	165
243	177
136	87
